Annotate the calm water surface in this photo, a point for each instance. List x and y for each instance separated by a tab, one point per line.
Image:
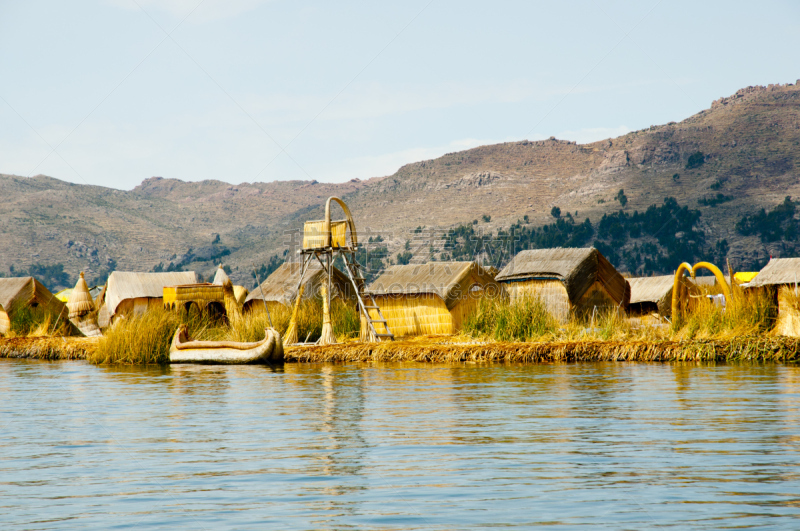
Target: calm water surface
612	446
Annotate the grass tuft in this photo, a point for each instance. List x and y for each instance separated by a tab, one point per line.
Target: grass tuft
145	339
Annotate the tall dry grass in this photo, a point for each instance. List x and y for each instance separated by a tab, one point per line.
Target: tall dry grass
521	320
37	322
746	314
145	338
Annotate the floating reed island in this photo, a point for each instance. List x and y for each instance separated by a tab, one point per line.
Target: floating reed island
498	331
438	349
546	305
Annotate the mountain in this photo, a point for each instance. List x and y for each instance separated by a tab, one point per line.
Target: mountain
727	162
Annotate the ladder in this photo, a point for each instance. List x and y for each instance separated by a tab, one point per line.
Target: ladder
359	283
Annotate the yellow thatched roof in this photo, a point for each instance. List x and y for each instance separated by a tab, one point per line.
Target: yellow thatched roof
27	291
281	285
743	277
578	269
449	280
124	285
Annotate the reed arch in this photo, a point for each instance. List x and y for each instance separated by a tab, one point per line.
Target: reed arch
350	223
693	272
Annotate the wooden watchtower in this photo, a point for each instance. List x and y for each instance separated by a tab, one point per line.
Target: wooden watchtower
324	241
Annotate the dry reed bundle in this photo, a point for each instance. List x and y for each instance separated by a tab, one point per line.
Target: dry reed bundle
326	334
290	336
758	349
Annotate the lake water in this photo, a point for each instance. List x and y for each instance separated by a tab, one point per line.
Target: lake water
399	446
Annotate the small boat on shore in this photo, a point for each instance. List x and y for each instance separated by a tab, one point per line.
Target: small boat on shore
184	350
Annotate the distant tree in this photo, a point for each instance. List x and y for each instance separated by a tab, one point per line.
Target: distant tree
622	198
404	258
487	218
407	246
676	177
215	240
525	217
51	275
555	212
696	160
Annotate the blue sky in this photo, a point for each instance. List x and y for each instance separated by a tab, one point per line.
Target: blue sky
111	92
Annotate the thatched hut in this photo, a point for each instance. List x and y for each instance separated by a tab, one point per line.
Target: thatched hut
280	288
82	312
434	298
27	292
781	279
130	292
653	295
566	280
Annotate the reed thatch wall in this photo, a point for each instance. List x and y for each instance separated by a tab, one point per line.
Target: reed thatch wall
137	291
414	314
281	286
433	298
788	322
5	322
778	272
552	293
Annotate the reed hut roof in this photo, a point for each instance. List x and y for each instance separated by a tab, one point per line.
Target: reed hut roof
281	285
80	300
449	280
578	269
650	289
777	272
220	277
27	291
124	285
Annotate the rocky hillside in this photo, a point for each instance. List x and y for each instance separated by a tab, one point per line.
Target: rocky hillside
728	161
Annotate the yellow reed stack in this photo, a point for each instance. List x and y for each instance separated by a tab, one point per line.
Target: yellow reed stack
290	336
327	337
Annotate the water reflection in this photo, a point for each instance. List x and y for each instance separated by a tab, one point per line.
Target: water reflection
397	446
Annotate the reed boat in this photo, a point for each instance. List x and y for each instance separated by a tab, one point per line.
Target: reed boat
184	350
